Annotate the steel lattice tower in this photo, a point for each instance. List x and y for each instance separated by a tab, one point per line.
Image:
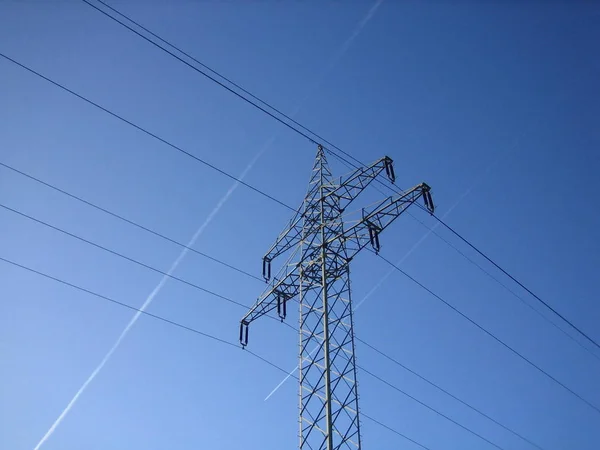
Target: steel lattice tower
317	275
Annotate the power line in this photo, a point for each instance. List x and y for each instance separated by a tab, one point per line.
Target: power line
227	174
224	86
320	138
120	255
192	284
457	234
218	296
512	350
381	424
145	131
395	361
181	326
128	221
513	293
211	78
396	388
261	192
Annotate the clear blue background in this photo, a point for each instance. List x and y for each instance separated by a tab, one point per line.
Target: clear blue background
501	97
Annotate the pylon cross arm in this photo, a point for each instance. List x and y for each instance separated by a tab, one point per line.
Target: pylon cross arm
379	217
350	186
344	192
275	297
287	239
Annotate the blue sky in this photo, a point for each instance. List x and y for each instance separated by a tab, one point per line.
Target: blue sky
497	98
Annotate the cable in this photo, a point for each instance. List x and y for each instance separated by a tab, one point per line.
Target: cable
396	388
516	281
487	273
428	407
395	361
323	140
496	265
273	116
145	131
178	325
116	302
362	414
120	255
186	282
130	222
250	186
218	296
521	299
512	350
201	72
211	293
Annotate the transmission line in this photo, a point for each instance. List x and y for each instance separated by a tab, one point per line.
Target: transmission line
210	165
128	221
396	388
187	282
486	272
466	241
508	347
513	293
120	255
395	361
181	326
306	130
147	132
304	134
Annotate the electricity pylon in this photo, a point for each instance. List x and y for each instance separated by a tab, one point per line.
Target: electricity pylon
317	275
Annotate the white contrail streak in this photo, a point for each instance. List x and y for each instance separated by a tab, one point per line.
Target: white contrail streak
211	216
152	295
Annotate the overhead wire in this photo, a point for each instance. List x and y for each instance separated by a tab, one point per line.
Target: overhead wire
496	265
147	132
191	155
441	389
80	199
436	411
128	221
319	139
122	256
217	169
127	258
397	389
178	325
490	334
513	293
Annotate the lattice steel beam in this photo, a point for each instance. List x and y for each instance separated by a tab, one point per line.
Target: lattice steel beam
317	275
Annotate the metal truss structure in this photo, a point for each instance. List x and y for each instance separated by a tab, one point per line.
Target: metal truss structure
320	246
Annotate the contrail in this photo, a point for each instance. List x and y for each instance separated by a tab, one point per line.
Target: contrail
152	295
406	255
211	216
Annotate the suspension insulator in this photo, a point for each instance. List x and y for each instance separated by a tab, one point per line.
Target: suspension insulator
428	201
281	305
374	237
266	269
244	333
389	169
